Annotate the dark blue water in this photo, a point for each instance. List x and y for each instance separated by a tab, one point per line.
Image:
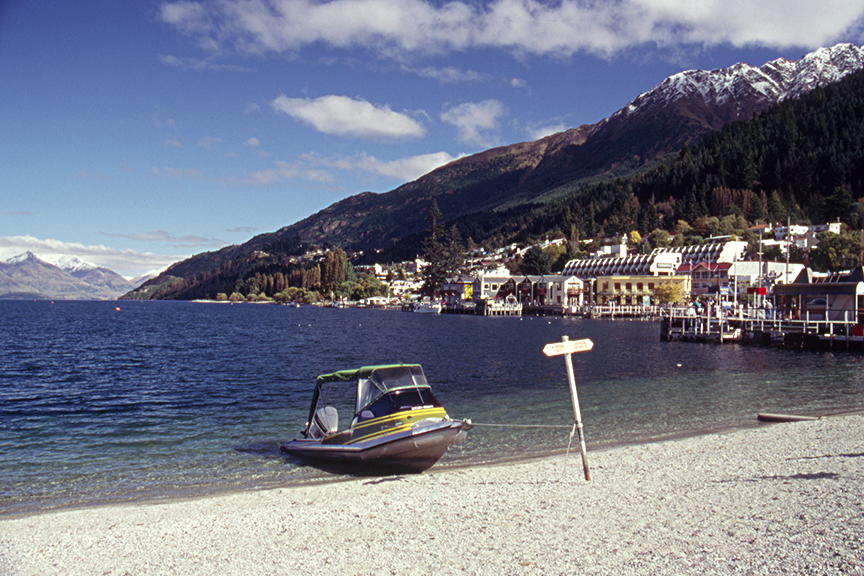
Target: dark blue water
176	399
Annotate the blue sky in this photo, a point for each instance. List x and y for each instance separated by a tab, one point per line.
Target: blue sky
135	134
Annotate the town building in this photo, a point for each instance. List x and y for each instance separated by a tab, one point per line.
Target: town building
654	264
634	290
488	284
837	297
561	290
724	278
458	290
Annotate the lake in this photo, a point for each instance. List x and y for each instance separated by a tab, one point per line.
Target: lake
123	401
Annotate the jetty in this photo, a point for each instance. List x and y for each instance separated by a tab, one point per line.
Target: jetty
844	334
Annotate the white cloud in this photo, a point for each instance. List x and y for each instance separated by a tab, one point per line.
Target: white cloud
187	241
129	262
447	75
343	116
281	171
190	17
543	131
253	142
317	168
564	27
477	122
404	169
198	64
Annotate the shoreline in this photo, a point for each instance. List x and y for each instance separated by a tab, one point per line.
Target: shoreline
322	477
772	498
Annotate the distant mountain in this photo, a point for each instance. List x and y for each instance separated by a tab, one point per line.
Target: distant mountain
28	276
680	110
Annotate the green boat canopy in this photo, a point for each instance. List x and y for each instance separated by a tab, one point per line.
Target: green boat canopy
371	383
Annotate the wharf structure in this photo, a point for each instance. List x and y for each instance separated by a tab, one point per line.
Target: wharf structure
810	313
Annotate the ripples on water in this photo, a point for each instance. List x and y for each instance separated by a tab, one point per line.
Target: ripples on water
178	398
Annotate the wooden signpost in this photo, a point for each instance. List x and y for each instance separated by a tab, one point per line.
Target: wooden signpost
568	347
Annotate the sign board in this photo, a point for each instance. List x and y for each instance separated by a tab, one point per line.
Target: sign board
569	347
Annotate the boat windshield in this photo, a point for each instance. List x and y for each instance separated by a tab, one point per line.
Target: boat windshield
383	380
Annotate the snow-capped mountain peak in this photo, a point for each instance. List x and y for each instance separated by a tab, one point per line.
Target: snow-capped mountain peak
69	263
58	276
750	88
24	258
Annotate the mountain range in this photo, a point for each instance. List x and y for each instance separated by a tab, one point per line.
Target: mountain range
67	278
678	111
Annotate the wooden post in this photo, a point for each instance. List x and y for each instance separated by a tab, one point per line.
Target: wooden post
567	348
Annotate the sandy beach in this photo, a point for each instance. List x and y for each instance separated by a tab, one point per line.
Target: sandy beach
778	499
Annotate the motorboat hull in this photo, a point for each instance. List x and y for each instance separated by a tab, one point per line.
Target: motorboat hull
411	450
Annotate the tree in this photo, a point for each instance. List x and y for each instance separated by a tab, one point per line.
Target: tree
454	251
434	252
659	238
839	205
536	261
333	271
835	251
669	293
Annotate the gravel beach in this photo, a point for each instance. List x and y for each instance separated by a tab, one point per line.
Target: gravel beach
776	499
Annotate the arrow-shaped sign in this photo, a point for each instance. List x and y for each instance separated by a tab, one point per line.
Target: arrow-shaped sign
568	347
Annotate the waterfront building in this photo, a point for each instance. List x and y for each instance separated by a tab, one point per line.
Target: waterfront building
746	277
715	250
529	291
457	290
560	290
488	284
635	290
837	297
753	273
654	264
707	278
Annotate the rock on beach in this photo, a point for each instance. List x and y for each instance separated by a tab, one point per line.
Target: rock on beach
774	499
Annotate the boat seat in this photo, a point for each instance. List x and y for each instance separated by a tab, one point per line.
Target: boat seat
326	422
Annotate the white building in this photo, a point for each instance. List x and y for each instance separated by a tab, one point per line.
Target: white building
797	230
654	264
561	290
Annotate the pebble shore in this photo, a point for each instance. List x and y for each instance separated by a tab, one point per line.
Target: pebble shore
776	499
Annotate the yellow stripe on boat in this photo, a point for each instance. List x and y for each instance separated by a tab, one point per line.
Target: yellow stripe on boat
391	423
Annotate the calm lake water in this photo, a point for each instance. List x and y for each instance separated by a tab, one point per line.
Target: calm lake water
175	399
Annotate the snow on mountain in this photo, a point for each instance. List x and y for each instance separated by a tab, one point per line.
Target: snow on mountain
26	257
759	87
69	263
28	275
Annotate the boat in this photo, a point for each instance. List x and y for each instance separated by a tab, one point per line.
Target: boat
427	306
396	423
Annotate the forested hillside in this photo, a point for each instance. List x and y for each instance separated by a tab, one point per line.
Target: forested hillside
802	158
